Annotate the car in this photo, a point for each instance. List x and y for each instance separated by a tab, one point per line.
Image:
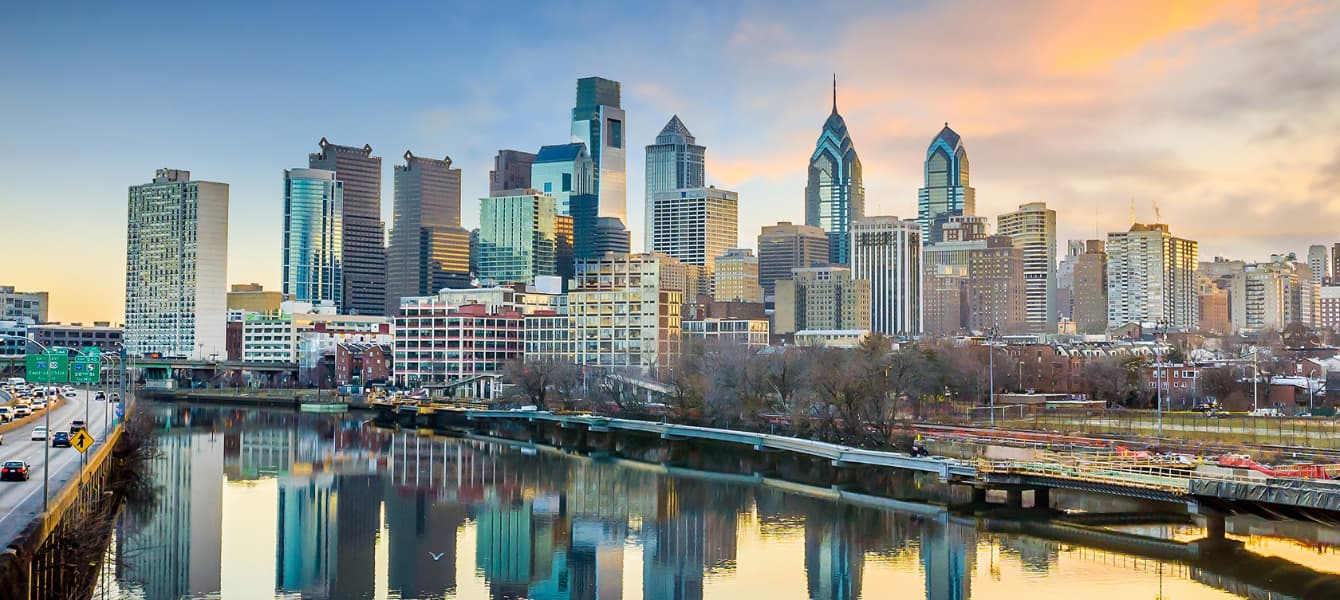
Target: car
99	396
39	434
22	410
7	414
38	393
39	403
60	439
67	390
14	469
75	426
69	394
116	396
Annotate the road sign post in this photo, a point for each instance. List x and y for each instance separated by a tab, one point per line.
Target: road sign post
87	370
81	441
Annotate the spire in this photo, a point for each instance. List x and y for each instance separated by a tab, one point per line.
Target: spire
834	92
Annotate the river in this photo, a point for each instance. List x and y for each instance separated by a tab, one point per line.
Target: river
269	504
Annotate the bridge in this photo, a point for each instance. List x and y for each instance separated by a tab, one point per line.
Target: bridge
1205	490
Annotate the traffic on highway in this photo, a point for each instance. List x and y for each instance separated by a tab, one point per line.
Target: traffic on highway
24	449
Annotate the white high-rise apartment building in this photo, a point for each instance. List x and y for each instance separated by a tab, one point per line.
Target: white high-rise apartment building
1151	278
736	277
1319	263
886	251
625	312
696	225
176	266
1033	229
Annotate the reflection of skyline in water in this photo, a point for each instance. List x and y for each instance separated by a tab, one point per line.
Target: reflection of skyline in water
364	513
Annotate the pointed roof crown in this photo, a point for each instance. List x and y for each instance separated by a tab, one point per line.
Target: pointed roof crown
675	132
948	136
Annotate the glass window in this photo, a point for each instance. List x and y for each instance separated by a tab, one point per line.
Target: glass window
615	135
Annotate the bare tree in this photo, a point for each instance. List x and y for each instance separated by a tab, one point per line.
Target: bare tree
539	380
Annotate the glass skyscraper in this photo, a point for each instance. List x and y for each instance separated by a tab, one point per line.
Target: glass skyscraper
598	122
517	238
562	171
313	236
674	162
946	193
835	195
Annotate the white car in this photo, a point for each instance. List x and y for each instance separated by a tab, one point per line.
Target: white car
39	434
6	414
39	403
22	410
69	393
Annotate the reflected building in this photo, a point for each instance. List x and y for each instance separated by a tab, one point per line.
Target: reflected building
947	558
422	529
176	552
834	558
307	535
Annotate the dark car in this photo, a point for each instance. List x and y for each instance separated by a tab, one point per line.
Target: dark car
14	469
99	396
60	439
75	426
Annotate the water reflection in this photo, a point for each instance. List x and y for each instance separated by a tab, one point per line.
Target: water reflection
334	509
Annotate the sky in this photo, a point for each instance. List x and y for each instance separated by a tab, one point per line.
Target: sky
1221	119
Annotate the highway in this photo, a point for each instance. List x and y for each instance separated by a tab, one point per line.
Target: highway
20	501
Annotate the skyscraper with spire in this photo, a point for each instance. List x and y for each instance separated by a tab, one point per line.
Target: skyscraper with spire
674	162
946	192
834	195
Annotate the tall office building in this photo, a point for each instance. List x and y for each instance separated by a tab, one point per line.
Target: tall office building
643	291
674	162
1033	229
1151	278
785	246
996	296
364	276
598	122
1317	261
611	236
695	225
946	192
313	234
429	250
1065	279
886	251
834	195
1090	288
517	238
176	266
562	171
736	277
511	171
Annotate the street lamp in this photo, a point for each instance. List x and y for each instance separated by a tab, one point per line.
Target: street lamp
1158	376
991	374
46	443
1311	392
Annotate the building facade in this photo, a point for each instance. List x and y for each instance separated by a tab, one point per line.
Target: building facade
562	171
946	192
1089	288
1151	278
783	247
835	193
1329	312
517	238
438	343
78	336
750	333
625	313
695	225
511	171
1033	230
996	286
252	297
598	122
674	162
20	305
886	251
1319	262
736	277
429	250
313	233
176	266
822	298
363	238
301	331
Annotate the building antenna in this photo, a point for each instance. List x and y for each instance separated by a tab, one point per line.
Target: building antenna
834	92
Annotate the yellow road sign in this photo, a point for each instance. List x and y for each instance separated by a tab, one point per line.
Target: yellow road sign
81	441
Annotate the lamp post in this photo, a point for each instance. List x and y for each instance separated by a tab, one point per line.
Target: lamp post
991	375
46	443
1311	392
1158	378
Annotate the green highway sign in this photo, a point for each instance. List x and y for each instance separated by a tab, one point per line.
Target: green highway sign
49	367
87	366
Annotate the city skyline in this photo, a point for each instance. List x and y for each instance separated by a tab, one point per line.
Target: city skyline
1188	108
